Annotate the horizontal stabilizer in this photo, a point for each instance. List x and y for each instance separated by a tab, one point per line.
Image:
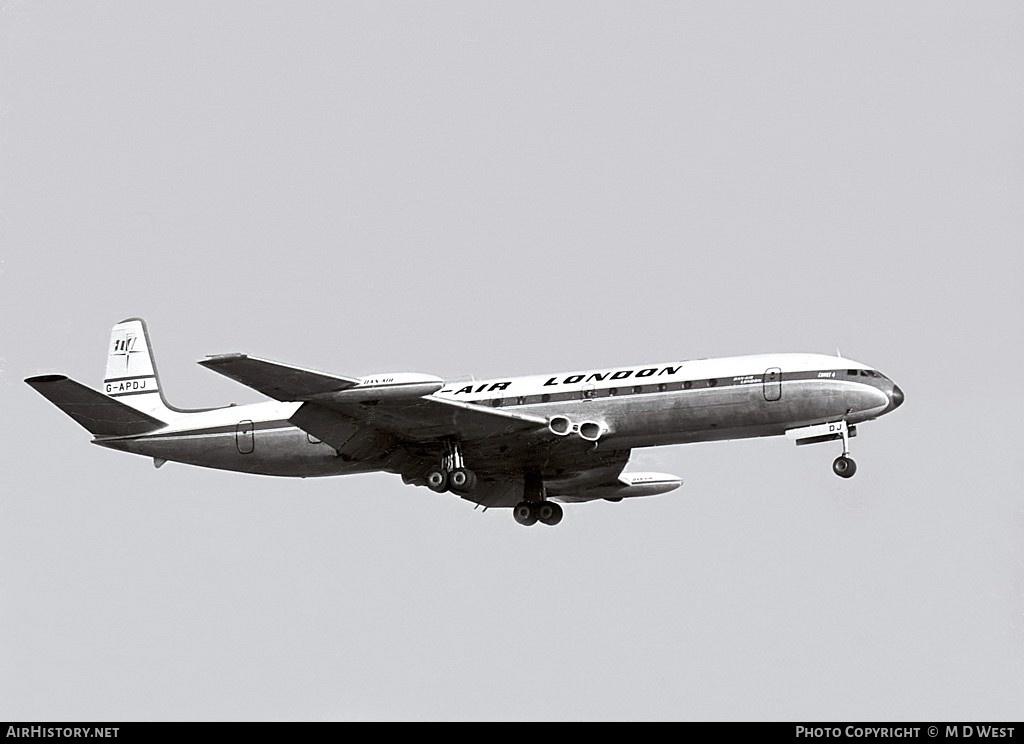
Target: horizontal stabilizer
102	416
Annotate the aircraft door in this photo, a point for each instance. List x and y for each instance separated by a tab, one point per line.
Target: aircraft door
772	383
245	438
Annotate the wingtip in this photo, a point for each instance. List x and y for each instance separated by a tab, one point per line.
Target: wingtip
39	379
212	359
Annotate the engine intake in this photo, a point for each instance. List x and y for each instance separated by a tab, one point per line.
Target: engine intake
560	425
589	430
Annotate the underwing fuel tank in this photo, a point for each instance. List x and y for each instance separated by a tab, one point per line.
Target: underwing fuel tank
637	484
386	386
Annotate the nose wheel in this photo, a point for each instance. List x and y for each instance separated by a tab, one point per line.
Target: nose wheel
844	466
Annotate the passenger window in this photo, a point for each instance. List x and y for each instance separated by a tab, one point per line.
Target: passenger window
638	388
521	399
662	387
687	385
545	398
712	382
613	391
496	402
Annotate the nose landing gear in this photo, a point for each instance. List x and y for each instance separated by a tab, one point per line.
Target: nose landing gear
844	466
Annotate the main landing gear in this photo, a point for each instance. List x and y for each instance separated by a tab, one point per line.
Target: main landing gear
535	508
545	512
452	475
844	466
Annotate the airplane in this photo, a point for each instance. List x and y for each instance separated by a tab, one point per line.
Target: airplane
525	443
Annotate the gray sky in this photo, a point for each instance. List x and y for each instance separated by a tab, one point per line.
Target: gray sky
502	189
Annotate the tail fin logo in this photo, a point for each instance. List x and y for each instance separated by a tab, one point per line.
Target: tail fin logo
125	347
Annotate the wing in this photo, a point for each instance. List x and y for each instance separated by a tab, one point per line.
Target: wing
277	381
397	423
400	404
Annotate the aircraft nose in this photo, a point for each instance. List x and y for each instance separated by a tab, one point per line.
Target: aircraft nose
895	398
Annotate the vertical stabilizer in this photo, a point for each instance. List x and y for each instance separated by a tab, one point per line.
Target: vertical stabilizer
131	375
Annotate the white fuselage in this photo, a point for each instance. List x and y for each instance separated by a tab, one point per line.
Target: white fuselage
621	407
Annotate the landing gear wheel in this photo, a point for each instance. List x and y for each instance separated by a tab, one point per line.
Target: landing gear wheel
461	480
437	481
525	513
549	513
844	466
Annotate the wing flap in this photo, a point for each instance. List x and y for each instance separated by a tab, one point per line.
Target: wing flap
348	437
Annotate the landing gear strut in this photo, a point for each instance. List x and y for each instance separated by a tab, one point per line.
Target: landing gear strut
536	508
452	475
844	466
